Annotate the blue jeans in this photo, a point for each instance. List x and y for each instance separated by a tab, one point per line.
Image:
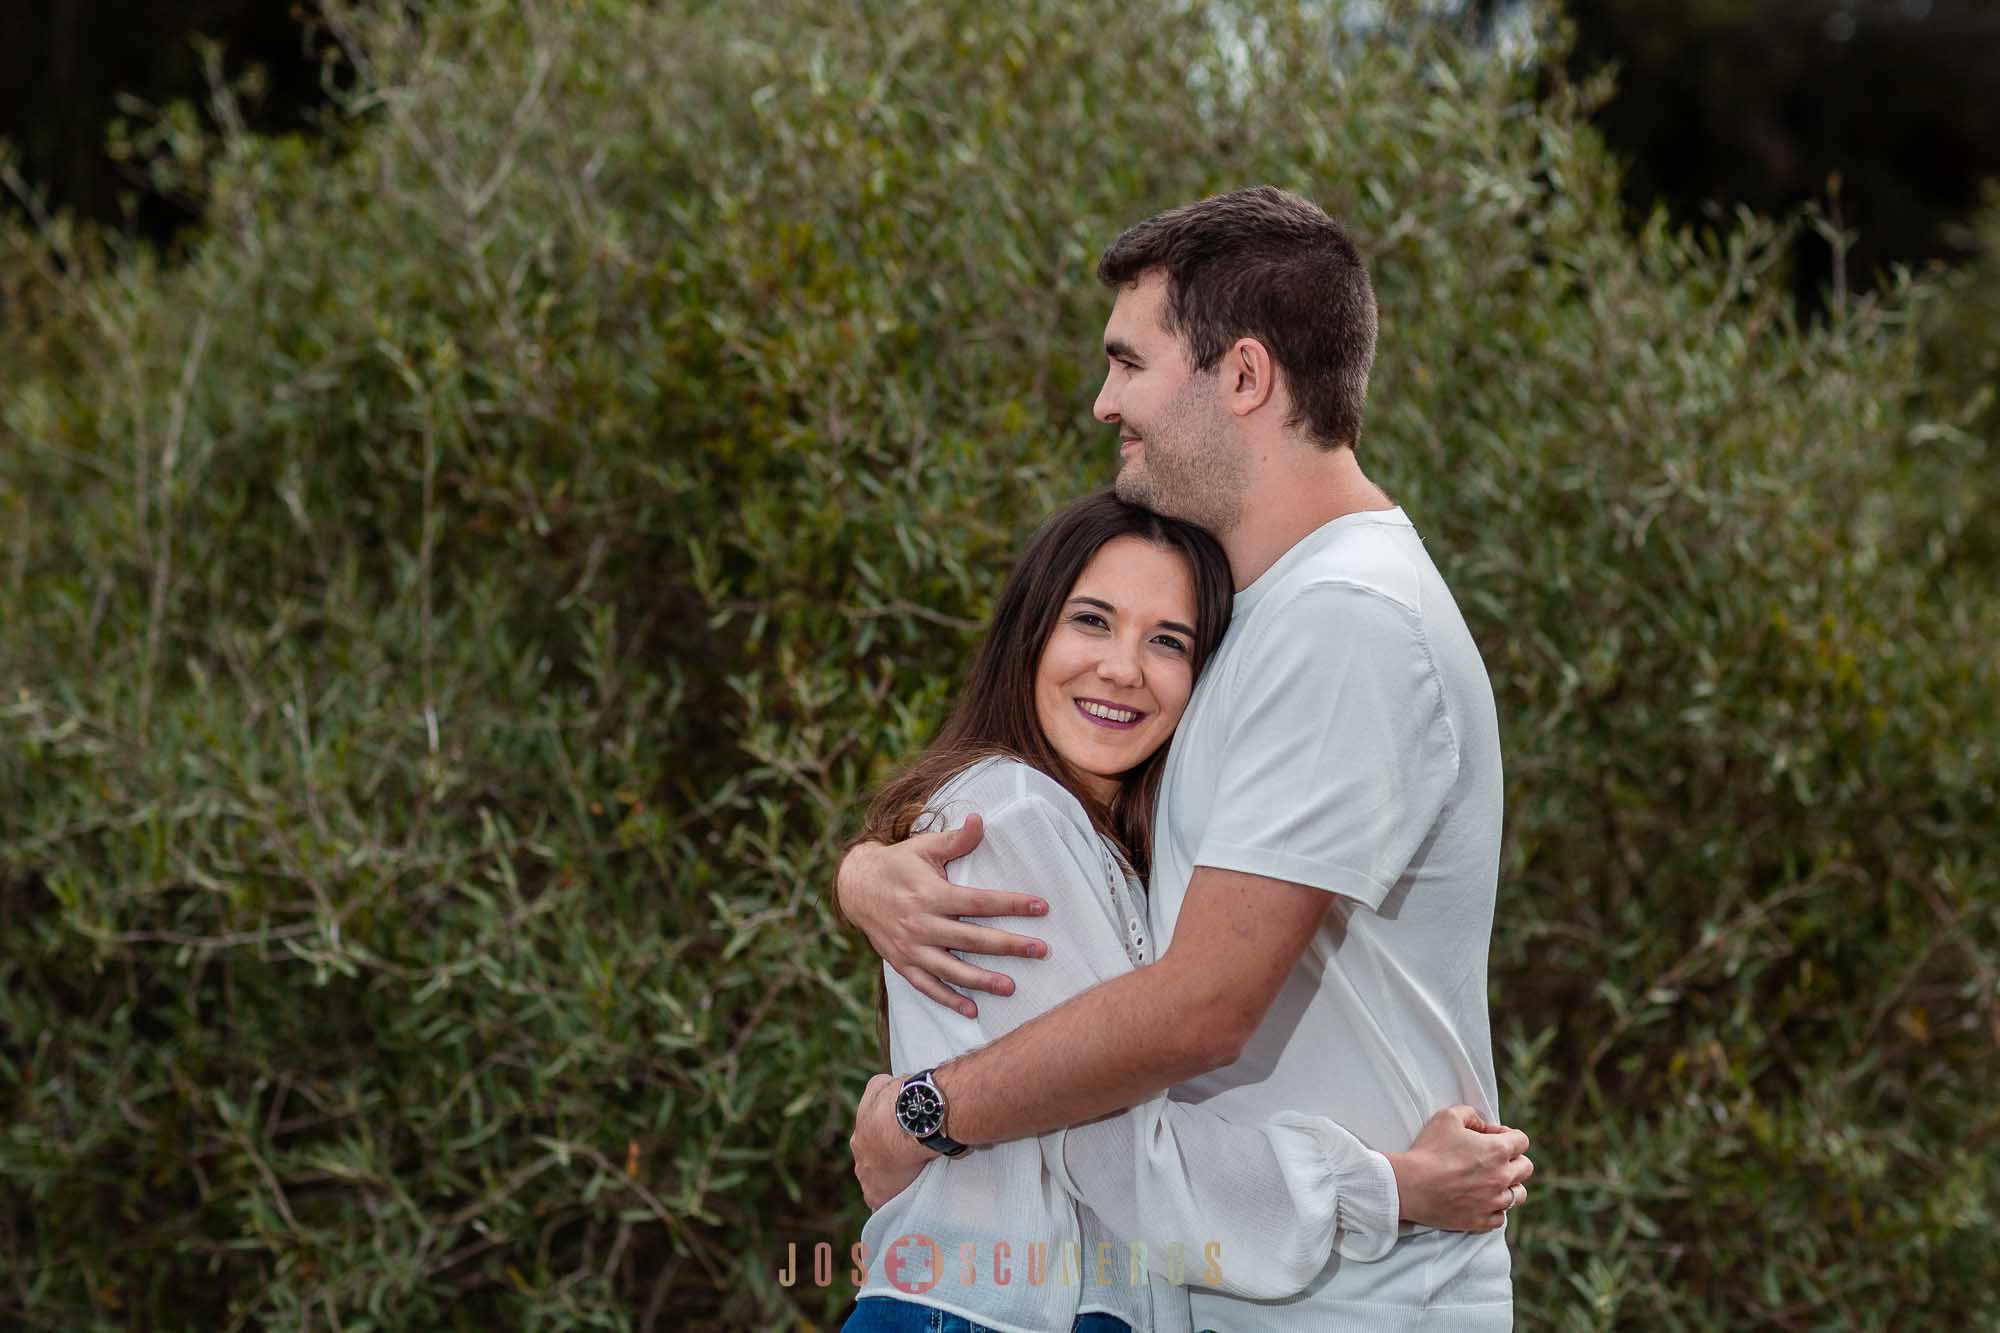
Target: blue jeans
886	1314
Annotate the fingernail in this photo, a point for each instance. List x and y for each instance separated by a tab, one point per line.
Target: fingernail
1041	908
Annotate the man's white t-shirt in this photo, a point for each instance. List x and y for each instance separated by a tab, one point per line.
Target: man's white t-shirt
1344	737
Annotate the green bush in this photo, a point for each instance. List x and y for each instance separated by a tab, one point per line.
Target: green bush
449	622
1962	345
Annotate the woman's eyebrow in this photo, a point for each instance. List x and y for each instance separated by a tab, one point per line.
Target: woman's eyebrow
1103	605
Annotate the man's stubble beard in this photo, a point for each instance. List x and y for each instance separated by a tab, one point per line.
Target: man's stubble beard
1190	471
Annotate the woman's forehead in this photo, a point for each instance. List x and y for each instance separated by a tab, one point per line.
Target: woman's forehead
1133	574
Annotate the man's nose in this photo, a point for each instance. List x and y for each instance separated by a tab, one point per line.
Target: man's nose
1104	409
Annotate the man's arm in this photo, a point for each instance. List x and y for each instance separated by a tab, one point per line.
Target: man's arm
1116	1043
1237	938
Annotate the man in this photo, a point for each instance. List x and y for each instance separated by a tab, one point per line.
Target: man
1328	836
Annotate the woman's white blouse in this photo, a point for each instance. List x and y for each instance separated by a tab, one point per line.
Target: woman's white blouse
1119	1215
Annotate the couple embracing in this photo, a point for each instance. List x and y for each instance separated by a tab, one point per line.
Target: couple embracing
1236	773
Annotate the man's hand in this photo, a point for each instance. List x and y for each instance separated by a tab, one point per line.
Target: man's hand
886	1158
1462	1174
909	911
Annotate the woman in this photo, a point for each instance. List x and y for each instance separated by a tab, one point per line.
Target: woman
1058	741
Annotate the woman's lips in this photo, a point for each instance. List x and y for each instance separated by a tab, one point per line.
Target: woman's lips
1106	722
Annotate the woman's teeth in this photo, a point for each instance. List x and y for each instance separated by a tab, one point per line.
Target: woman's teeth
1108	713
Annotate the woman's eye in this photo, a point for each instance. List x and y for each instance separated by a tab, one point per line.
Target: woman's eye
1090	618
1171	642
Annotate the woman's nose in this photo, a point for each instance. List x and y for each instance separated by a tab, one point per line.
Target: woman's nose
1120	664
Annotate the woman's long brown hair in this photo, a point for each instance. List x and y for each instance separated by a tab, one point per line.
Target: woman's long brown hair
995	712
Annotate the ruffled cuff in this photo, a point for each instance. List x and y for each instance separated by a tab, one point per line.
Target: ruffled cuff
1339	1167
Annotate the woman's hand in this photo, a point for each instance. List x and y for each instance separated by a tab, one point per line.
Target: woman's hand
1462	1174
909	911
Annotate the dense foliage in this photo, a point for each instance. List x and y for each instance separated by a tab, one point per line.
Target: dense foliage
447	623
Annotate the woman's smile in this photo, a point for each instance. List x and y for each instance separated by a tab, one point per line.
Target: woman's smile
1108	714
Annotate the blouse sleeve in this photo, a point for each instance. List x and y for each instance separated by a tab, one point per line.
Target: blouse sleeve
1278	1196
1274	1197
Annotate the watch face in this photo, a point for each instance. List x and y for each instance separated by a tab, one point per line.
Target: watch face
920	1110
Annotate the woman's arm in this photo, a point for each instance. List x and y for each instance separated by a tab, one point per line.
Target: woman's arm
1273	1198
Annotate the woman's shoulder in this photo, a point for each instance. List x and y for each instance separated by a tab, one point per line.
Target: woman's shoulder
999	787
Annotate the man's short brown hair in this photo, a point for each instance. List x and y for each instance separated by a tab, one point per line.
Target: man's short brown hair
1264	263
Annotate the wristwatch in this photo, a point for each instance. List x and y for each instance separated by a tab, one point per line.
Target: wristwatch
920	1111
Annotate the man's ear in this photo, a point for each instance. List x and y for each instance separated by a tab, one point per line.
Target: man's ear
1249	376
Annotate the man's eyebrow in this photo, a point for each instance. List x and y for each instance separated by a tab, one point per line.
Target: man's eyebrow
1103	605
1120	350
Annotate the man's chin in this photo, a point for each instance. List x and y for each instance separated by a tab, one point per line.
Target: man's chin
1134	487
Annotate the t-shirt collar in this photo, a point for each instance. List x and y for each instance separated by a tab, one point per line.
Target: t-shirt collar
1307	546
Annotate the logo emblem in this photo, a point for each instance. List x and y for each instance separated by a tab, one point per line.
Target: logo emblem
914	1264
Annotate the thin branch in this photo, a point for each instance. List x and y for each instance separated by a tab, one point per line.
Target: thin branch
900	607
163	562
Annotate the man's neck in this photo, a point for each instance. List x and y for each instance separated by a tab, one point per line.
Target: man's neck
1297	493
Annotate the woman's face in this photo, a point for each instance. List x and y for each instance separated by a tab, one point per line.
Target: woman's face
1116	673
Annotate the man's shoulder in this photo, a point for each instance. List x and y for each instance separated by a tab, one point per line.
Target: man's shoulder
1357	603
1372	605
1366	561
